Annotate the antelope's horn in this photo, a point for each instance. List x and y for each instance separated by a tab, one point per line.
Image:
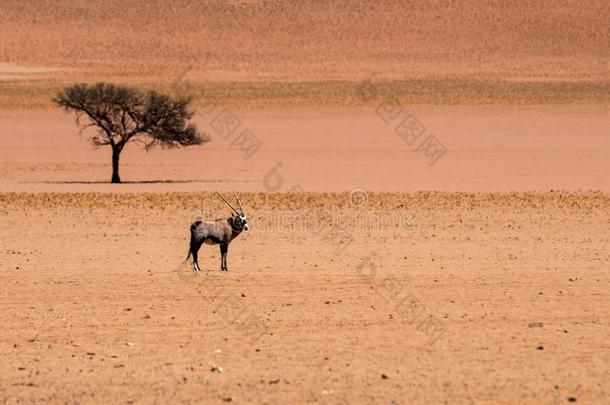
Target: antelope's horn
228	203
239	202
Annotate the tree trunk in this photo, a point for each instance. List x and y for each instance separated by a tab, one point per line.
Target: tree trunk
115	165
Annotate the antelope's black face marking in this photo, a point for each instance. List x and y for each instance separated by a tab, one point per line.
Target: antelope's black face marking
241	221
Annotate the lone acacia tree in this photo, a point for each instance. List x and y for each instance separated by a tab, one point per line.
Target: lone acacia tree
123	115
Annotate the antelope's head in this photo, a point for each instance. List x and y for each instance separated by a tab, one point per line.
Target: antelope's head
238	218
240	221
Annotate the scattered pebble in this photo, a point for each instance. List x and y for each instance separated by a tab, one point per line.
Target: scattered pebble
535	324
216	369
129	343
384	376
571	399
540	348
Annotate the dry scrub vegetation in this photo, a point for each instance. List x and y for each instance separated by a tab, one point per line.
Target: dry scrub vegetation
384	200
184	203
35	94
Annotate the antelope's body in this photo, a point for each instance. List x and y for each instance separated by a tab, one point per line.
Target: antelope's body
219	232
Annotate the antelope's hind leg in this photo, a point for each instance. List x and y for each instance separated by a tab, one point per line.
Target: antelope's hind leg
195	254
224	248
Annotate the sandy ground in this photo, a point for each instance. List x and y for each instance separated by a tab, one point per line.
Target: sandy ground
475	298
292	40
487	148
517	48
456	272
381	298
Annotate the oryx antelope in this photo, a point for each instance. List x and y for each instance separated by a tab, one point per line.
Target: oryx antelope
219	232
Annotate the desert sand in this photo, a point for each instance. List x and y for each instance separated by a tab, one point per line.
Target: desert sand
375	271
482	298
487	148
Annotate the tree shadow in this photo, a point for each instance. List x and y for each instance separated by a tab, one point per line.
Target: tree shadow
128	182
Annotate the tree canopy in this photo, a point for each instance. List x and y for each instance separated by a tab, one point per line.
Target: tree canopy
123	115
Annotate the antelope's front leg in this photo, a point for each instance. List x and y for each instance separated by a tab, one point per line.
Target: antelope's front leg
224	248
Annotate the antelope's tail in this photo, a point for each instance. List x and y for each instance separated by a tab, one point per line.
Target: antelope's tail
192	245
